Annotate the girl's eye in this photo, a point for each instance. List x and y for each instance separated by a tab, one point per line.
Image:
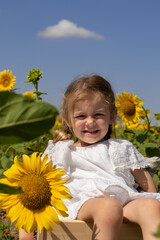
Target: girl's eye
80	117
99	114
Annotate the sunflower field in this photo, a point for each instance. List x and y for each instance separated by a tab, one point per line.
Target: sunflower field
27	123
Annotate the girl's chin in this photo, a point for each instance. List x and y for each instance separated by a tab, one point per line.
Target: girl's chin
86	143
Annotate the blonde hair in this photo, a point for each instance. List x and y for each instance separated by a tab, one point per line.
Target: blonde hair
77	90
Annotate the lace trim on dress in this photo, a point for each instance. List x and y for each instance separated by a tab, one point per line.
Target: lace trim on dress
59	153
125	156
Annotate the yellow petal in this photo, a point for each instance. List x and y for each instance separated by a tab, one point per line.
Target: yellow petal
55	174
9	201
58	204
21	221
59	182
33	160
13	173
20	166
45	218
62	213
26	162
30	223
3	196
15	212
61	194
47	167
38	163
9	183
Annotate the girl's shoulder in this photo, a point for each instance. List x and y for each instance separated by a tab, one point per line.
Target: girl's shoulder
124	154
59	153
119	143
63	144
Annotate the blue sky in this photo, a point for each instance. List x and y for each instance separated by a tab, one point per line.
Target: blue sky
118	39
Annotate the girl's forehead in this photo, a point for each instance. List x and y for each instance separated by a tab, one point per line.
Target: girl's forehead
90	101
89	96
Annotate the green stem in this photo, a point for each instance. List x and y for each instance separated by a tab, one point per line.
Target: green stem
146	116
36	88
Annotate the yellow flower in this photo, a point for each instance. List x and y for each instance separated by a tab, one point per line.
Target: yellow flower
116	125
7	80
29	94
59	123
157	116
42	188
129	108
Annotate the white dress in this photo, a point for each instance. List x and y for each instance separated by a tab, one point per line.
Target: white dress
101	169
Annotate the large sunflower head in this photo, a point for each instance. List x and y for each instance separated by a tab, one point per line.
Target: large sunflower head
129	108
43	190
7	80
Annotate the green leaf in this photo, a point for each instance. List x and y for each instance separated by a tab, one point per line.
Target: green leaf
150	145
20	147
152	151
6	162
158	232
23	119
156	180
9	190
39	93
141	137
1	172
157	116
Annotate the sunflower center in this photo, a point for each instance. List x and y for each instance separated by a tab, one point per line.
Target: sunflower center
128	108
36	192
6	82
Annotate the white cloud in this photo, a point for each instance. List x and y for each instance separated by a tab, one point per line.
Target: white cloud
66	28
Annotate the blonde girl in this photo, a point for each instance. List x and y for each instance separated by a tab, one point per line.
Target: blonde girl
105	172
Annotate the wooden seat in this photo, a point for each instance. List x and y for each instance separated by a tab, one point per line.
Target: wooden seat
79	230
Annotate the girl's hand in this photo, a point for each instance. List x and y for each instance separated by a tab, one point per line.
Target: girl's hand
144	180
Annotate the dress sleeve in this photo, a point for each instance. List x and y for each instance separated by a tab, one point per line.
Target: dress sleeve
125	156
59	153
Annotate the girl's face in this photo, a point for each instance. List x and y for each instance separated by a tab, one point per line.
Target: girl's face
90	120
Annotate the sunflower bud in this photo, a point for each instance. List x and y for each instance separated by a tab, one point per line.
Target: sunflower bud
34	76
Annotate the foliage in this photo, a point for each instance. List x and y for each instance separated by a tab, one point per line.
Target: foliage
9	190
40	202
34	137
22	118
158	232
25	123
144	135
7	230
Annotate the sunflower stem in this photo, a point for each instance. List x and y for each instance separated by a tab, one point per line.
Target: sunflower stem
37	98
147	119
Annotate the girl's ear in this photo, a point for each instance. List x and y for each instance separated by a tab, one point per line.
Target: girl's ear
113	116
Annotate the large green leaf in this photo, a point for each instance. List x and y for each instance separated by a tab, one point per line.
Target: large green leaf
22	118
9	190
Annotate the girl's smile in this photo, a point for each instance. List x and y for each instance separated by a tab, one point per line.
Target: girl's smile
91	118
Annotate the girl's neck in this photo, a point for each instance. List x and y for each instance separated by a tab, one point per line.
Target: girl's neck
78	143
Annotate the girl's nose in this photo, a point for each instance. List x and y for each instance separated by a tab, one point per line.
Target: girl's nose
90	122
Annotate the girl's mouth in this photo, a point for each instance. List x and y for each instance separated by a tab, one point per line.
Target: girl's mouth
92	132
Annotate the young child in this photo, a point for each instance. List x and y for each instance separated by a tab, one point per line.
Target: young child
104	172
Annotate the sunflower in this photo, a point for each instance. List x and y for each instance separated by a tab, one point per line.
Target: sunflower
43	190
29	94
59	123
129	108
7	80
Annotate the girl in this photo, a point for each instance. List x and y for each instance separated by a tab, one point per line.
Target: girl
104	172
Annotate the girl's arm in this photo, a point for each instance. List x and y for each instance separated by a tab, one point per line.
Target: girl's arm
144	180
25	236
